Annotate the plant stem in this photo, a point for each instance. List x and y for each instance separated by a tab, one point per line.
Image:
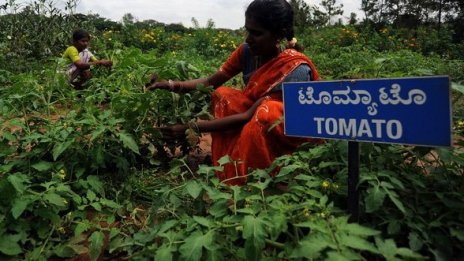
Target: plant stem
274	243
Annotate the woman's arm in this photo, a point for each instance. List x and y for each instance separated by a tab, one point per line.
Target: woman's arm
224	124
103	62
229	122
84	66
215	80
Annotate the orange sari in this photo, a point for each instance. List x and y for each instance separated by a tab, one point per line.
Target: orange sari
257	144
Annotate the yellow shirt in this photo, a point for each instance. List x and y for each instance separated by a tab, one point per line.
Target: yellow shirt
73	55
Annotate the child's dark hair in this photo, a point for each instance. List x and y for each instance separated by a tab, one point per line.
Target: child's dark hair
275	16
79	34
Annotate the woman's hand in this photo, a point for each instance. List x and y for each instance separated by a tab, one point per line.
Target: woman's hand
106	63
173	132
166	85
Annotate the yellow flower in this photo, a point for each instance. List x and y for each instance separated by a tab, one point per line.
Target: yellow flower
39	87
61	230
306	212
325	184
62	174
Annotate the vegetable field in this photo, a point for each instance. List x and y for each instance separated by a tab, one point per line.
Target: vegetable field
86	175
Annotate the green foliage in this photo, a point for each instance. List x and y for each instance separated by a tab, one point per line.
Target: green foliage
86	174
35	31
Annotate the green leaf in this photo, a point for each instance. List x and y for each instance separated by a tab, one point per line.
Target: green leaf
164	253
357	243
345	255
19	205
394	227
374	199
215	194
218	208
254	232
356	229
193	246
380	60
311	247
59	148
415	243
43	166
326	164
253	227
288	170
97	132
8	136
109	203
128	142
193	188
78	249
203	221
394	198
95	183
99	155
9	245
224	160
459	234
18	181
408	253
279	224
96	244
96	205
457	87
91	196
64	251
81	227
167	225
387	248
54	199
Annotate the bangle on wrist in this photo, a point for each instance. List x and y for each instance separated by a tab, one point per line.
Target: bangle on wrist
171	85
194	126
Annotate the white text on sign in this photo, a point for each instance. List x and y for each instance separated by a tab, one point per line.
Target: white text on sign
359	128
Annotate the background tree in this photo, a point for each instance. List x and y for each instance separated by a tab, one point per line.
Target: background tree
320	18
302	13
332	8
371	9
128	19
353	19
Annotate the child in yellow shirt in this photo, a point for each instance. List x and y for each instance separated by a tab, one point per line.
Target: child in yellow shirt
81	59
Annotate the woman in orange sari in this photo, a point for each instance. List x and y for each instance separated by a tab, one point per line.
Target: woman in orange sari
243	127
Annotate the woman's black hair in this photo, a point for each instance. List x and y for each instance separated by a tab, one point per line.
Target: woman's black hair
273	15
79	34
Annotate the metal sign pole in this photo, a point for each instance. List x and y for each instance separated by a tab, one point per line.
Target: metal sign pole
353	179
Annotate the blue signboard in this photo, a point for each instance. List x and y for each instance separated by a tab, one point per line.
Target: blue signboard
414	111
